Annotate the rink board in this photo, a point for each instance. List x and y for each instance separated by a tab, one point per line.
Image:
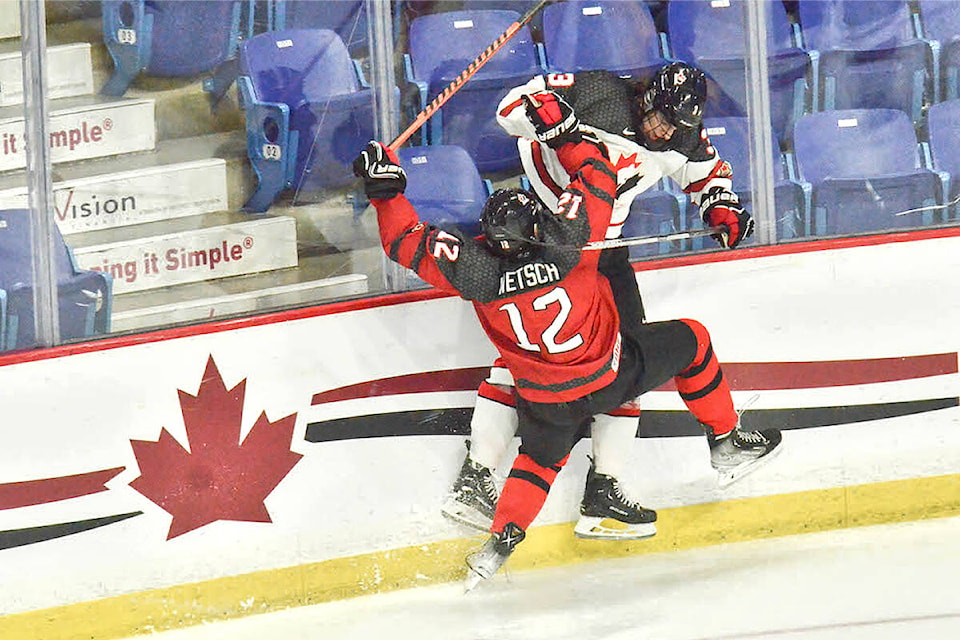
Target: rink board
331	504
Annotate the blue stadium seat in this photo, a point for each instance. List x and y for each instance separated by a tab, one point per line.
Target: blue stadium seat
864	166
791	198
582	35
85	298
444	185
656	212
866	47
308	112
441	45
940	23
943	122
168	38
347	17
711	35
520	6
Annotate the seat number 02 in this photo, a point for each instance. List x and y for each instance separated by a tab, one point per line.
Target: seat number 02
556	298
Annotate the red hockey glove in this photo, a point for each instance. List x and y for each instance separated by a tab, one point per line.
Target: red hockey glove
382	175
553	119
721	208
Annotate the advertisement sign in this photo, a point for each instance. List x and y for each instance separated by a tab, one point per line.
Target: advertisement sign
82	132
134	197
195	255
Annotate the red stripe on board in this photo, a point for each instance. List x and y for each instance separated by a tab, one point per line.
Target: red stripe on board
33	492
767	376
743	376
447	380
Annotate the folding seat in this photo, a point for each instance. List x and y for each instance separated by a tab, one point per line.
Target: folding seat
446	188
791	197
520	6
168	38
656	212
940	23
85	298
441	46
582	35
943	123
864	166
309	112
865	48
347	17
444	185
711	35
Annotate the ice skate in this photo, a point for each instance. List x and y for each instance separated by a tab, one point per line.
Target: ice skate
741	452
486	561
473	498
606	514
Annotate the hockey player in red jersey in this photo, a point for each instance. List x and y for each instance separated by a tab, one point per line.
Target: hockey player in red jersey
651	131
552	315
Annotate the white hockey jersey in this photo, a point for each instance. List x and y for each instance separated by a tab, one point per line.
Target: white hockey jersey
696	167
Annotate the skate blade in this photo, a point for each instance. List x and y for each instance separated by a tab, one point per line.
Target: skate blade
471	581
462	514
596	528
729	476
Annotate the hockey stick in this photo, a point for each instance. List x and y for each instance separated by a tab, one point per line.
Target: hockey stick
599	245
467	73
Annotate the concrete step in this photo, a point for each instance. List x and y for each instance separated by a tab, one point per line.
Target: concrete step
69	72
10	21
82	128
192	249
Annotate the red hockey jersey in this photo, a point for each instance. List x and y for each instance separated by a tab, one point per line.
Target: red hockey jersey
551	316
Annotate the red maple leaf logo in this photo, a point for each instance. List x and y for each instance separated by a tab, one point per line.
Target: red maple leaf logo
624	162
220	478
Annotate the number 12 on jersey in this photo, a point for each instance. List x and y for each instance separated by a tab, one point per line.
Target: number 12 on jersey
555	298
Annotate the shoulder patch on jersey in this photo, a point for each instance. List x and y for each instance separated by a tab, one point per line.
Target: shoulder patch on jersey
724	170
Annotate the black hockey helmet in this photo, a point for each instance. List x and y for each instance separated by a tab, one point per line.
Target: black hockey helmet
678	91
510	220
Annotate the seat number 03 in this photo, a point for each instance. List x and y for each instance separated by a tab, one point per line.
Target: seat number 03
554	300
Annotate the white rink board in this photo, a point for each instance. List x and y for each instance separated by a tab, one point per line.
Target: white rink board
79	414
69	73
124	198
80	133
195	255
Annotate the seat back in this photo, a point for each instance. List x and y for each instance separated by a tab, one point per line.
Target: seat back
444	185
441	46
655	212
944	126
709	29
865	171
855	24
348	18
854	143
84	297
941	22
311	72
194	37
711	35
580	35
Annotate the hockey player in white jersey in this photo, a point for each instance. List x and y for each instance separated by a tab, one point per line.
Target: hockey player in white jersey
651	132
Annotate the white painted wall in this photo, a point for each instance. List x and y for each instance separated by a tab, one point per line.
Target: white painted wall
78	414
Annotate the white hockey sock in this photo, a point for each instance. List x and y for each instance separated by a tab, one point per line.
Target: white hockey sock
613	439
491	431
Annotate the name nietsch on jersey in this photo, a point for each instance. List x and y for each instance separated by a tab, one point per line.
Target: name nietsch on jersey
528	276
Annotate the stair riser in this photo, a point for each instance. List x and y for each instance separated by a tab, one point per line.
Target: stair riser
195	255
88	132
69	74
134	197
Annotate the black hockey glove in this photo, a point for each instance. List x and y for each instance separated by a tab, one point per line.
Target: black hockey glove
553	119
721	208
383	177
